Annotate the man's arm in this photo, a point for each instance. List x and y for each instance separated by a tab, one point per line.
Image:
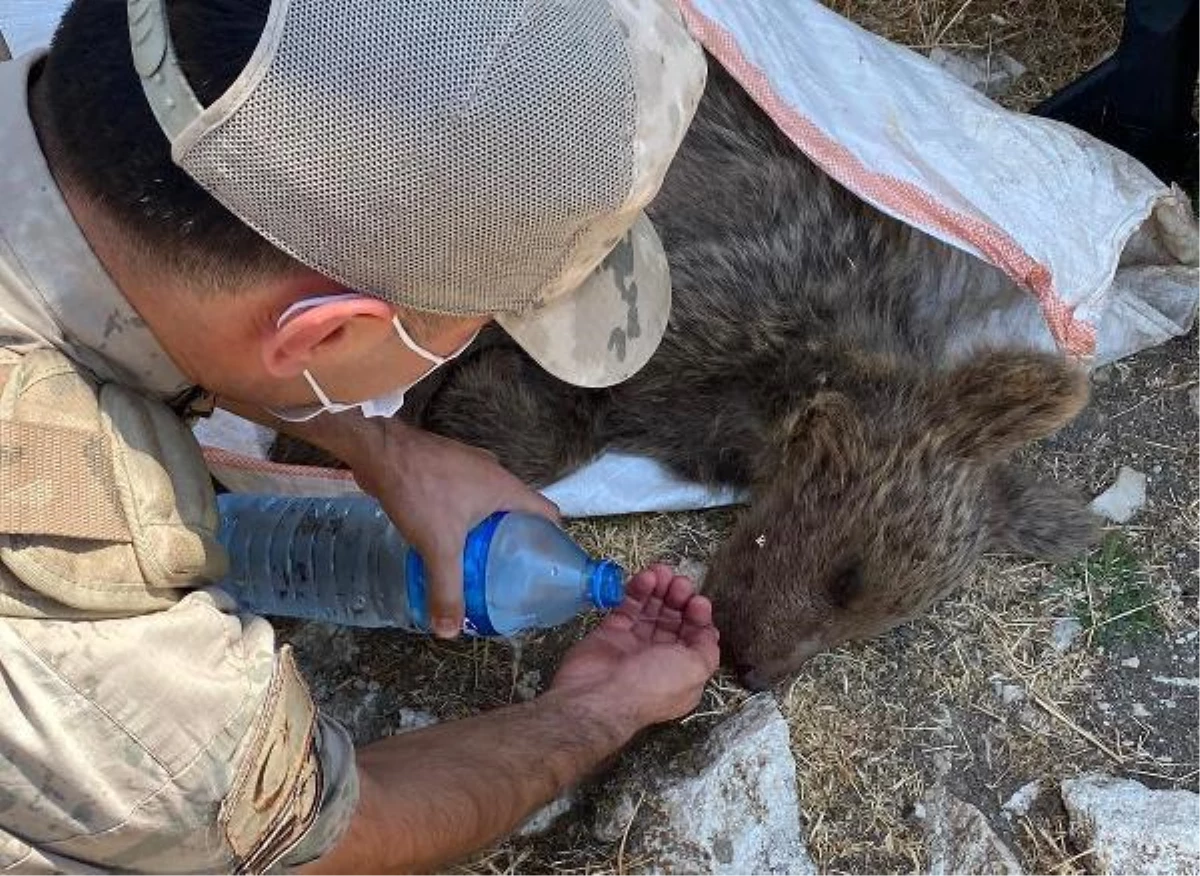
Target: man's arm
434	490
433	796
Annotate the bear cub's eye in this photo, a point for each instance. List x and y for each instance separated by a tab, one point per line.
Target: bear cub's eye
845	586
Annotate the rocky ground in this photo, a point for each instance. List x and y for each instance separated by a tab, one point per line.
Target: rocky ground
1044	719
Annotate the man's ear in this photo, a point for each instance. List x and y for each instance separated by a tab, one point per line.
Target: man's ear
1001	401
290	348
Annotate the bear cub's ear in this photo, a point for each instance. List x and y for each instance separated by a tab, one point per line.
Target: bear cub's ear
1002	401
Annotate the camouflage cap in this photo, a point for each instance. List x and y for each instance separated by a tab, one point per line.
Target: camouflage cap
456	157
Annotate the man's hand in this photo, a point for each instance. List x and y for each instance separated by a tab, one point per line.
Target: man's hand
435	491
648	660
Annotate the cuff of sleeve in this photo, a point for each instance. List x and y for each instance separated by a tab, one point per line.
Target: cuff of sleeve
339	794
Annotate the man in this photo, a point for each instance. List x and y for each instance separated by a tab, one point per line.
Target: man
299	209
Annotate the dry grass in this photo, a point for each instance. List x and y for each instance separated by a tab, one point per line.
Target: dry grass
637	540
1056	40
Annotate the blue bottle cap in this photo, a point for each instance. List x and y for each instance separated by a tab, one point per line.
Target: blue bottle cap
606	583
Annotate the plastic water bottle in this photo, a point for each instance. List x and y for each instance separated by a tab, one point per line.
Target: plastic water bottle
342	561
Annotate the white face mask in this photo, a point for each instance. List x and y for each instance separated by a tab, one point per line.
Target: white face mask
386	405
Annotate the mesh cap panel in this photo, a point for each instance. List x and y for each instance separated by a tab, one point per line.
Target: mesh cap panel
456	166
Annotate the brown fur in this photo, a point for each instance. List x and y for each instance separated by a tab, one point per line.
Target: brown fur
807	360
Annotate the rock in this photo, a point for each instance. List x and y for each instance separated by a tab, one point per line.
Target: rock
370	715
1131	829
1131	662
1022	799
327	654
1064	633
405	720
992	73
1124	498
323	648
1139	711
544	819
1033	719
960	840
693	569
1182	683
528	685
728	805
1008	694
1194	398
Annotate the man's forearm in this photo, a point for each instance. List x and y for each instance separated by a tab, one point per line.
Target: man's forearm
432	796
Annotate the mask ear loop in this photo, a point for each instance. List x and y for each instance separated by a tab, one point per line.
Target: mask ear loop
326	402
426	354
317	391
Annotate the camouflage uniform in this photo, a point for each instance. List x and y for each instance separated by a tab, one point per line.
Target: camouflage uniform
147	726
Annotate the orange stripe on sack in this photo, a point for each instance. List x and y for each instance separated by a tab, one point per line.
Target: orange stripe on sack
905	199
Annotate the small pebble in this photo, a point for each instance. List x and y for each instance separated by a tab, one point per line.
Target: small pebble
1011	693
992	73
1064	633
695	570
1022	799
1120	502
528	684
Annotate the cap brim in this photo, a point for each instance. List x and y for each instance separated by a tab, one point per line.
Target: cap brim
604	331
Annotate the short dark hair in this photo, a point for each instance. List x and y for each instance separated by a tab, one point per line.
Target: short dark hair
98	131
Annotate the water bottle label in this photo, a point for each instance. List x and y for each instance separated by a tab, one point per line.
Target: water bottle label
414	578
475	557
476	621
